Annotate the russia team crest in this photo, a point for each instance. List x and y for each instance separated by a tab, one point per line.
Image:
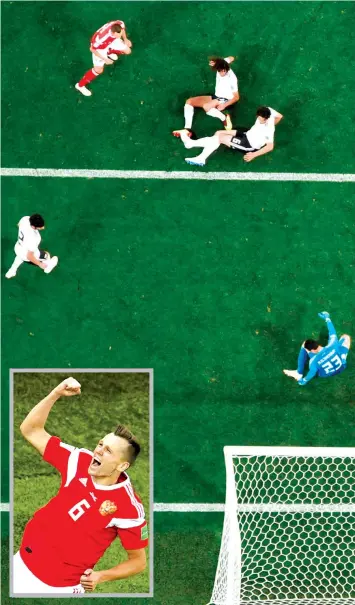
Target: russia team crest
107	508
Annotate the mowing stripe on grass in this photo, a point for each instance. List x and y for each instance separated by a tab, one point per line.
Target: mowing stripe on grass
175	175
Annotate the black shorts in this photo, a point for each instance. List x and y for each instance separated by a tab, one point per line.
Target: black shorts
220	99
240	142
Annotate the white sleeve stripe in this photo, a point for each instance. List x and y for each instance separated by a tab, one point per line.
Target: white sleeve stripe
82	449
65	446
125	523
138	506
72	466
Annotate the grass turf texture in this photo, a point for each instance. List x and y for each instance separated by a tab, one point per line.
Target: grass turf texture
107	399
213	284
294	56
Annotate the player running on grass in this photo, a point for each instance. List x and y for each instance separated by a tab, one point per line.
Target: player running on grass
106	44
323	361
226	94
95	503
253	142
27	246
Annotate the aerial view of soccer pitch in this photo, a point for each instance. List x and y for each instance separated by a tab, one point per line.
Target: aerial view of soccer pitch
211	276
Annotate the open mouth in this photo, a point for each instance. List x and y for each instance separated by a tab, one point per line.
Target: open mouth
95	462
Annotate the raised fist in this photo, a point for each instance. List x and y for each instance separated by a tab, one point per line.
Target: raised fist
68	387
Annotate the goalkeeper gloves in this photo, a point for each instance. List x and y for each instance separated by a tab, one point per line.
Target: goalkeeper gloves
324	315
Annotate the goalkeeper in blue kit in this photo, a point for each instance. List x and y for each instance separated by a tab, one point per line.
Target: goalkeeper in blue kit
323	361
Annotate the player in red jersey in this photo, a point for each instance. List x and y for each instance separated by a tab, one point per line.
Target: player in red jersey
106	44
95	503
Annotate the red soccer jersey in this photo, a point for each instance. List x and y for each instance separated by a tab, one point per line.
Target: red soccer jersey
103	37
70	533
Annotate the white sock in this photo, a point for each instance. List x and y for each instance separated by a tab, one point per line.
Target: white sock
215	113
211	146
190	143
16	264
188	115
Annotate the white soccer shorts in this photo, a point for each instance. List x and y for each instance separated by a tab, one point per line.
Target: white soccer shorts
24	582
117	44
21	252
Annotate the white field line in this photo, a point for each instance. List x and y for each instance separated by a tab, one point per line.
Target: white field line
177	175
208	507
166	508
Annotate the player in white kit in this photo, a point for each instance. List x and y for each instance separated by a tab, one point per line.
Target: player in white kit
27	246
253	142
226	94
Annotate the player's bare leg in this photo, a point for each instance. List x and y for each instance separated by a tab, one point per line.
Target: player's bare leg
211	110
190	104
224	137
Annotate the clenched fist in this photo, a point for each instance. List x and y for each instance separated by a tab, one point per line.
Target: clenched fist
68	387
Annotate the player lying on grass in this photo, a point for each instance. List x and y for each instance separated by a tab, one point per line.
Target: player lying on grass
226	94
27	246
106	44
253	142
323	361
95	503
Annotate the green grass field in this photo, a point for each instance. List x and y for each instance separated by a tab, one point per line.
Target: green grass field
213	284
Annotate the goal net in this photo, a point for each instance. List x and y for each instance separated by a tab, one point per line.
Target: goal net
289	527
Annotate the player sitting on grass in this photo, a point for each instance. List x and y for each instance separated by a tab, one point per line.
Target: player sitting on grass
95	503
27	246
226	94
253	142
106	44
323	361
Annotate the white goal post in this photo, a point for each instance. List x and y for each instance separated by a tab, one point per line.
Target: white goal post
289	527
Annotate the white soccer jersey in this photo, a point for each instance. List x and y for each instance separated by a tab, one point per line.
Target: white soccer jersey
226	85
29	239
261	134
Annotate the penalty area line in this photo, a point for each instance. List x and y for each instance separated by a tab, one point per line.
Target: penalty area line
179	175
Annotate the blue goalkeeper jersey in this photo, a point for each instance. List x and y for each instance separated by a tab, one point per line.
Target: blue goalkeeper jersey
329	361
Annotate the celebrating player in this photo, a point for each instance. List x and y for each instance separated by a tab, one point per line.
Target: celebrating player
27	246
95	503
256	141
226	94
106	44
323	361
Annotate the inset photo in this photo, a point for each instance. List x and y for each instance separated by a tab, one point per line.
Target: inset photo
82	482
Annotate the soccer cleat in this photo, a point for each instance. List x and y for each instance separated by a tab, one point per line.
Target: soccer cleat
53	262
112	56
187	131
84	91
228	122
10	273
195	161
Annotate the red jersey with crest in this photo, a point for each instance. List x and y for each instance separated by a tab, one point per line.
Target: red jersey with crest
71	533
103	37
